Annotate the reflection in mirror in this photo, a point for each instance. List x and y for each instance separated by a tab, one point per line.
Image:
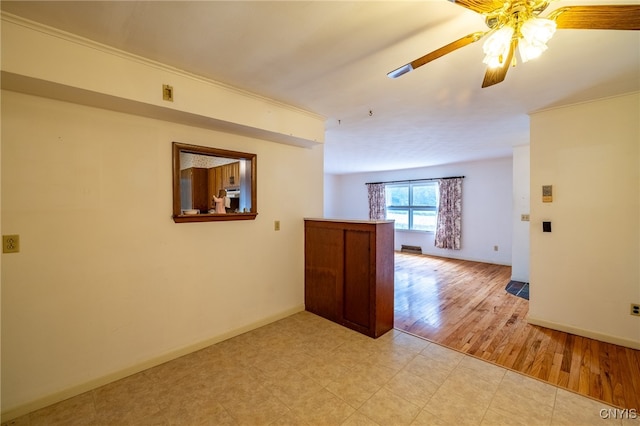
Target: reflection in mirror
211	184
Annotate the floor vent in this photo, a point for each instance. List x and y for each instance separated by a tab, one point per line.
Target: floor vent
411	249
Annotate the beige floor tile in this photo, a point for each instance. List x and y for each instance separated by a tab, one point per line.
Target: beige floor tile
571	409
369	371
523	397
305	370
504	418
322	408
442	354
392	356
409	342
387	408
471	384
127	400
288	419
535	390
427	418
350	391
292	387
483	369
359	419
414	389
450	406
20	421
198	412
74	411
433	369
632	420
324	371
255	407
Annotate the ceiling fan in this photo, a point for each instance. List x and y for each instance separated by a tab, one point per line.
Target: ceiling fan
517	25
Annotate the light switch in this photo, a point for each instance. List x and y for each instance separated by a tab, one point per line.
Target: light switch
547	193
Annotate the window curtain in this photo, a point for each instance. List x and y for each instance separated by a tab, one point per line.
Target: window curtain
449	219
377	201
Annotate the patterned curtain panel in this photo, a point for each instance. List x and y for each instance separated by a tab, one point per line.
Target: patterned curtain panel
377	201
448	224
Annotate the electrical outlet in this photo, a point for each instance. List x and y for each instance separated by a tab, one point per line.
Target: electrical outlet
10	243
276	225
635	309
495	248
524	217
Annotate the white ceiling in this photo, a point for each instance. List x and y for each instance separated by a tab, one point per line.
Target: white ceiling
332	57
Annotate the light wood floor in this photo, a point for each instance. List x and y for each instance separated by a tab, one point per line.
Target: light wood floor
463	305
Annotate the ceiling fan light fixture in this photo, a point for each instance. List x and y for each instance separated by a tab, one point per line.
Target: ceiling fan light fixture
535	32
497	45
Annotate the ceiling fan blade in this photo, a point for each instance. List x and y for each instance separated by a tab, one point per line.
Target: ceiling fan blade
461	42
612	17
480	6
496	75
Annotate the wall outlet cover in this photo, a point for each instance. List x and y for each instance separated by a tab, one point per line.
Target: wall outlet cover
10	243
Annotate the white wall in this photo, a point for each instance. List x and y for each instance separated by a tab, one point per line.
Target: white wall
106	284
331	189
586	273
521	184
486	207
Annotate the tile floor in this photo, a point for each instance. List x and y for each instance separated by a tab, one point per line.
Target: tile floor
305	370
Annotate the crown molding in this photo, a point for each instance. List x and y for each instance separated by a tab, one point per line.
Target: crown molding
74	38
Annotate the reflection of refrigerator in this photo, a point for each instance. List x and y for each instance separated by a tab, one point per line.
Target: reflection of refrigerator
185	191
245	186
235	205
234	200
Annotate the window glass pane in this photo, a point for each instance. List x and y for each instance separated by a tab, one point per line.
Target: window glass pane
400	216
424	220
397	195
424	194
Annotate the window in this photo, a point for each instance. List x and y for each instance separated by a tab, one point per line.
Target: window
413	205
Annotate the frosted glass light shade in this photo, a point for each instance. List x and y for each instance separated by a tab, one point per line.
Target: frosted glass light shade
536	32
496	47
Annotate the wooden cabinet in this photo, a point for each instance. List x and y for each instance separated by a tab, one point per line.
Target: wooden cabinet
231	175
215	184
194	189
223	177
349	267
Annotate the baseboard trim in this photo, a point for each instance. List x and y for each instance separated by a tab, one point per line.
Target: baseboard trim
70	392
470	259
620	341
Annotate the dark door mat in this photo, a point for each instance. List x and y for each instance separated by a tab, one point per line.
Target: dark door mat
518	288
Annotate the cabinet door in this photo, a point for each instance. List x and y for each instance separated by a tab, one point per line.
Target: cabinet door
194	188
234	174
357	278
231	175
200	189
215	184
324	250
